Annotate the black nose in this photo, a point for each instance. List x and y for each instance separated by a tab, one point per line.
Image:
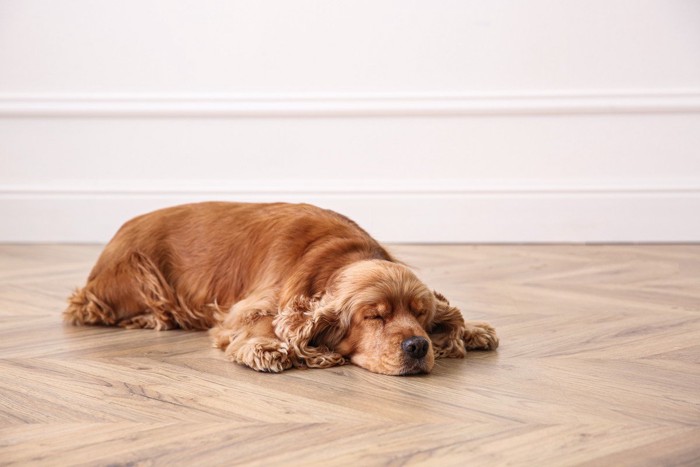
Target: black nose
415	346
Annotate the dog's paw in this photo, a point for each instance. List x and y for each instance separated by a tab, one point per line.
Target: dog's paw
272	357
480	336
263	354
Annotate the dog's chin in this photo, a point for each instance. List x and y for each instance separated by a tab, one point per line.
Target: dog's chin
407	367
415	367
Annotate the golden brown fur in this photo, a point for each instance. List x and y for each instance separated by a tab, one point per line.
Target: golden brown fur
279	285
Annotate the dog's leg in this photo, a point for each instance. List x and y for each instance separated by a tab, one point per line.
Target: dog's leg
112	294
479	336
261	354
255	346
247	336
133	293
85	307
147	321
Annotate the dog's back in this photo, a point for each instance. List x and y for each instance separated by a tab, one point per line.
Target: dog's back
176	267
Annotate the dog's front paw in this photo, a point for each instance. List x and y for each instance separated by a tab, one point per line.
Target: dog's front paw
263	354
480	336
272	357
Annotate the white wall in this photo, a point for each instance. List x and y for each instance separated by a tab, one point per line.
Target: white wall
425	121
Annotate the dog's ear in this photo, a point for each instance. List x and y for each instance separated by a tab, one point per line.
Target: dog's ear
447	329
312	327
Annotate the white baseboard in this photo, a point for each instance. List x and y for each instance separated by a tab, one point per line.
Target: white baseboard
392	214
15	105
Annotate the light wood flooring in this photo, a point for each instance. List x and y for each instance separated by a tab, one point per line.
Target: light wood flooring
599	364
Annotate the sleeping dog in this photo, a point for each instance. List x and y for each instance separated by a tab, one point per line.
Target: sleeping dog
278	285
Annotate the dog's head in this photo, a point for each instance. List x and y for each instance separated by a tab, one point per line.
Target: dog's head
378	315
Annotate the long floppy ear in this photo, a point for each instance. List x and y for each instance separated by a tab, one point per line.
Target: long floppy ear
447	330
312	327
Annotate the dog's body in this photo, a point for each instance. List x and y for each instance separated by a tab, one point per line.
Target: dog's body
280	285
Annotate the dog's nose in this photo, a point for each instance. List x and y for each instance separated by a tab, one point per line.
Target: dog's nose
415	346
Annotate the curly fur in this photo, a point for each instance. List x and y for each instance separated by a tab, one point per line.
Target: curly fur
278	285
304	322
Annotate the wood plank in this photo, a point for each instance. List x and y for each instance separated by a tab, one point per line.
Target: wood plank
599	363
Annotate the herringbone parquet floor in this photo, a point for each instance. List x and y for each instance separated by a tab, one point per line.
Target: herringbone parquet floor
599	363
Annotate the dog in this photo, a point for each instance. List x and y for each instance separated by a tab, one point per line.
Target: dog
278	285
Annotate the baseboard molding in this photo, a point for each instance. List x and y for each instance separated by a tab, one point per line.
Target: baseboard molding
344	105
427	214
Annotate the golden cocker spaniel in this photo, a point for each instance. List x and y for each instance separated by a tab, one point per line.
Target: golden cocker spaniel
279	285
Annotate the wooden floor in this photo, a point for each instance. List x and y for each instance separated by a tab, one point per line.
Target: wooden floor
599	363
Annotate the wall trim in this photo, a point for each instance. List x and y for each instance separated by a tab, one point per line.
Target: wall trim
17	105
549	214
344	187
